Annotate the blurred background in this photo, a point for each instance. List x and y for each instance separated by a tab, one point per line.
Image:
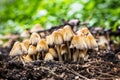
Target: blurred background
18	15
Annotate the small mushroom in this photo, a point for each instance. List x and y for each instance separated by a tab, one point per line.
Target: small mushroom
25	34
26	42
79	44
32	51
67	34
34	38
27	58
36	28
53	52
88	37
19	50
58	40
42	47
48	57
64	51
103	43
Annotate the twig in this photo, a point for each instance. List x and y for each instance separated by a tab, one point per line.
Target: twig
74	72
51	71
88	71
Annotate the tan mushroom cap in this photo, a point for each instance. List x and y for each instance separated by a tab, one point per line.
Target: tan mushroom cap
32	50
88	37
18	49
36	27
53	52
49	40
68	33
34	38
42	45
48	57
26	42
57	37
78	42
25	34
102	42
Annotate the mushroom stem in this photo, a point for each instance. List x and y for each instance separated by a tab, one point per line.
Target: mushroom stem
43	55
82	56
38	55
33	57
69	52
20	58
59	54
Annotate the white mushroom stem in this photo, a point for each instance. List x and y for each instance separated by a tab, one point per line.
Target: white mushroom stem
21	59
59	54
82	55
38	55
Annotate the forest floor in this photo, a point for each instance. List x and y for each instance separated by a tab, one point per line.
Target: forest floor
101	65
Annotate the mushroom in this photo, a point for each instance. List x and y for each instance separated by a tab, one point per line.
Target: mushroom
89	39
34	38
25	34
103	43
50	55
26	42
79	44
42	47
32	51
64	51
36	28
27	58
53	52
19	50
58	40
67	34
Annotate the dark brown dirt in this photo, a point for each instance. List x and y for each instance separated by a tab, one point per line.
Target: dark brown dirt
101	66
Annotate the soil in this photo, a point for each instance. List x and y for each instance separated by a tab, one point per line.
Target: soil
101	65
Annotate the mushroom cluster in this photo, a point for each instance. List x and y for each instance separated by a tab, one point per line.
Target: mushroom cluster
61	44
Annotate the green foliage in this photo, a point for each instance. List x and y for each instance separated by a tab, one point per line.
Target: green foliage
17	15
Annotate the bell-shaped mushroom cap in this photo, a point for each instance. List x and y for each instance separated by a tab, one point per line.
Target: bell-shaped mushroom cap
88	37
78	42
42	45
93	43
26	42
68	33
25	34
36	27
48	57
63	49
85	30
102	42
53	52
57	37
32	50
16	49
49	40
34	38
